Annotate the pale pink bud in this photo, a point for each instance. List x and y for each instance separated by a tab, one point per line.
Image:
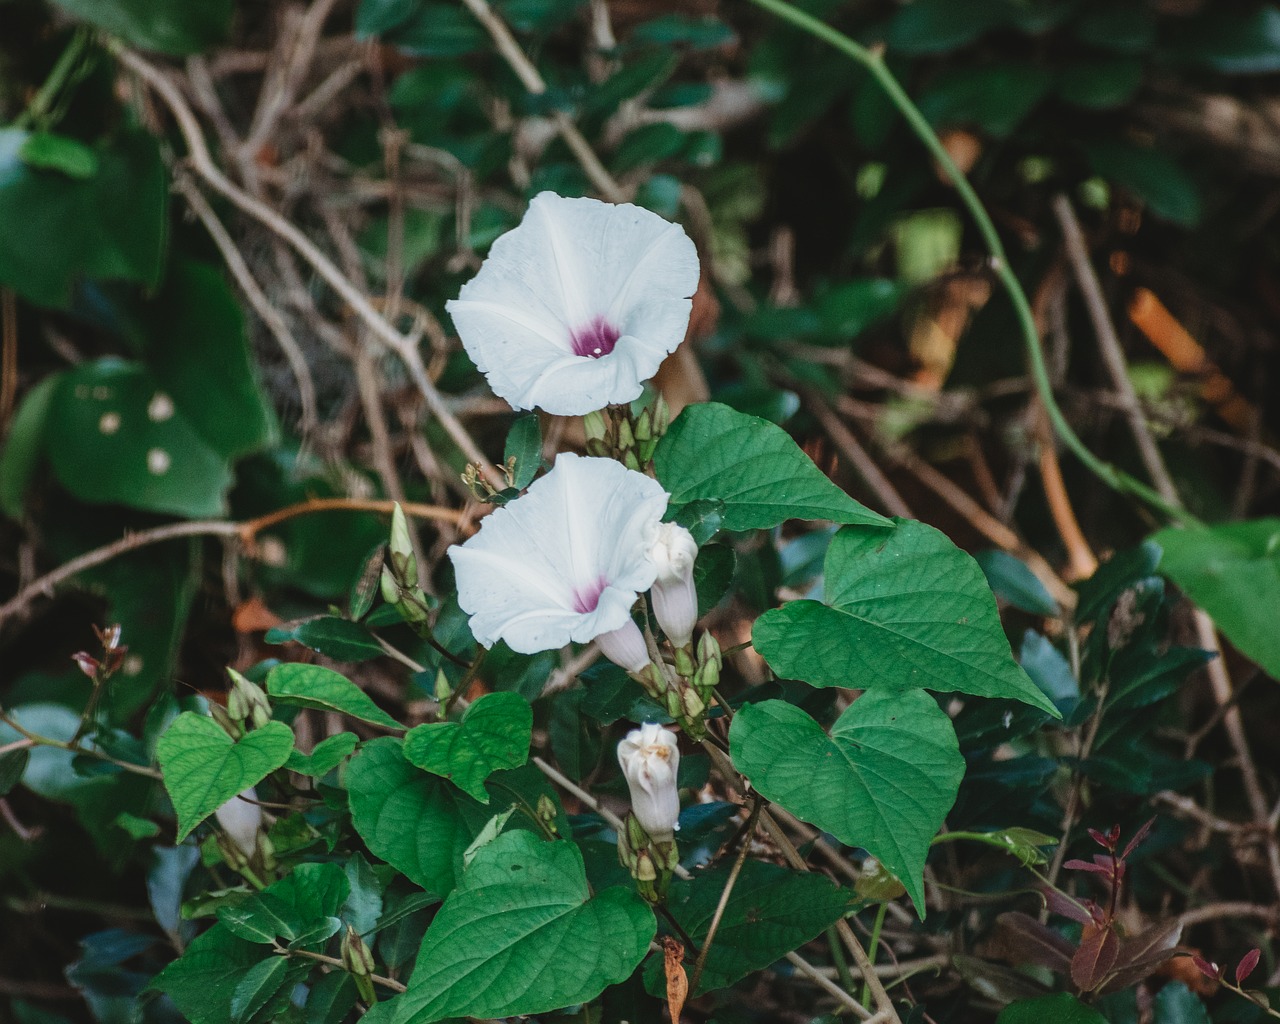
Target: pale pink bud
675	600
241	819
625	646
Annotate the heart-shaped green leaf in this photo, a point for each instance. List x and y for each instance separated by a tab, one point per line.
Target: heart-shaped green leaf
904	610
203	767
417	823
752	466
883	780
522	934
494	733
313	686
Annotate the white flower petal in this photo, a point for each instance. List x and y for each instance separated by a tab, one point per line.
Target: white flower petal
578	305
565	561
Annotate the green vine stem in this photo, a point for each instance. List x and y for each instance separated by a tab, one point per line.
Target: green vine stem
41	112
1111	475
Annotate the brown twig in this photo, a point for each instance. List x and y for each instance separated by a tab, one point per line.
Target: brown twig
730	882
404	347
859	461
245	531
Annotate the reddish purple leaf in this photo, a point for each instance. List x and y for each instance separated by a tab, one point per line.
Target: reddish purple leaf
1142	834
1084	865
1027	941
1247	964
1142	954
1097	837
1209	970
1061	903
1095	958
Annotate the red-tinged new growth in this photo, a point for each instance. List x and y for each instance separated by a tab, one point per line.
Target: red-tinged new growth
1208	969
1247	965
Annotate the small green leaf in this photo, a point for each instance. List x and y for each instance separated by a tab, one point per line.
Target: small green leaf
313	686
417	823
884	779
904	610
23	447
1011	580
494	733
1151	175
203	767
203	981
1232	571
12	765
261	917
325	756
59	153
260	982
522	934
714	453
770	912
524	444
339	639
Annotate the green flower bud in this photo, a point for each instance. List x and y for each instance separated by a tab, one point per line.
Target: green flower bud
403	562
596	425
358	962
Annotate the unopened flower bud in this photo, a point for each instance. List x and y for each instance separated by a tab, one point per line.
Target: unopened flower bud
246	701
241	819
596	426
357	959
675	600
404	565
86	663
625	646
645	871
626	436
650	758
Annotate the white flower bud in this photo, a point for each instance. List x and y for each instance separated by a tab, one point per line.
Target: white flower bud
625	646
650	758
241	820
675	600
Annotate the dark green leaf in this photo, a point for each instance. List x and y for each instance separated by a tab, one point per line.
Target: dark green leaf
59	153
1012	581
339	639
1152	176
259	984
524	444
170	26
113	437
770	912
1059	1008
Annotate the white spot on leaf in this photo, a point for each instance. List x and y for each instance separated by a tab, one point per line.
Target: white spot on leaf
109	423
158	461
160	408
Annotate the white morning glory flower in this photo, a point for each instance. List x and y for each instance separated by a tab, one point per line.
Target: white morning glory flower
565	561
241	819
578	304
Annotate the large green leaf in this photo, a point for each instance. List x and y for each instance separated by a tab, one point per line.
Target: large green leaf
522	934
883	780
203	767
194	343
314	686
904	610
1232	571
714	453
114	437
170	26
417	823
494	733
110	224
770	912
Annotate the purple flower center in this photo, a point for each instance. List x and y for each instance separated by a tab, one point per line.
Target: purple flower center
596	339
587	599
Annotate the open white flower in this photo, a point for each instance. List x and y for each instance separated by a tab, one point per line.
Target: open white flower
650	760
565	561
578	305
